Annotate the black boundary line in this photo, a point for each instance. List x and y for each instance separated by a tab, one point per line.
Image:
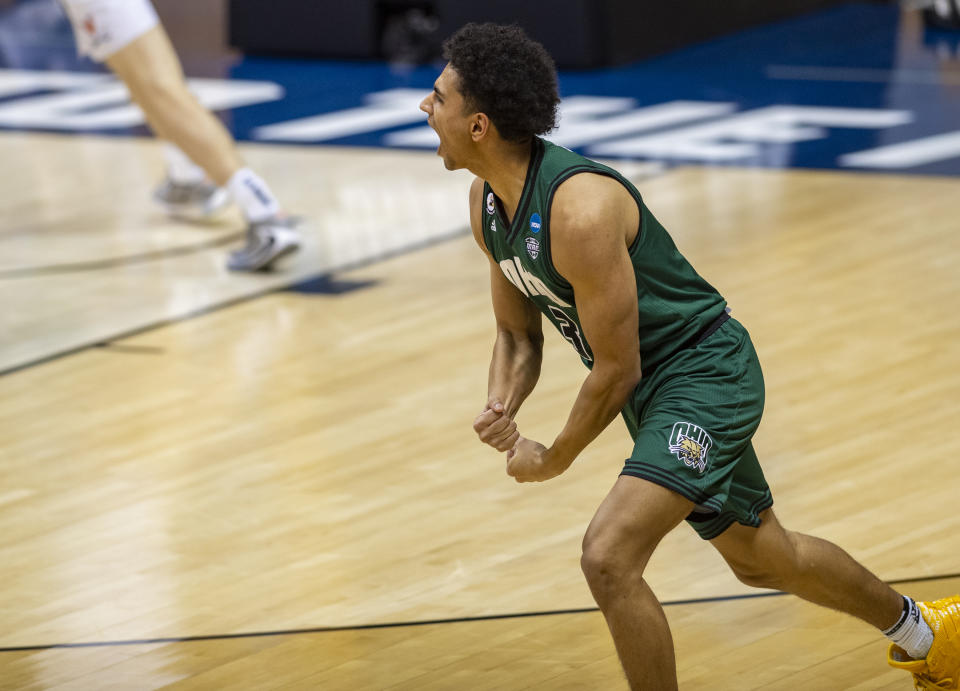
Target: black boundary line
122	348
409	249
408	624
113	262
142	329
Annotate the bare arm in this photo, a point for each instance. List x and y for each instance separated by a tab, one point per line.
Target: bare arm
592	222
517	351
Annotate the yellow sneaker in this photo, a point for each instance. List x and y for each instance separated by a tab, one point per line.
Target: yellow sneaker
941	668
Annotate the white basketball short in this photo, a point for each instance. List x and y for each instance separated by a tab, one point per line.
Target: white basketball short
102	27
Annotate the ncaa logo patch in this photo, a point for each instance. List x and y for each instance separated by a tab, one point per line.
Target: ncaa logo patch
490	206
533	247
690	444
535	223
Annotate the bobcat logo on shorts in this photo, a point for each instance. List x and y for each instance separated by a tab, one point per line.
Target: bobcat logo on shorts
691	444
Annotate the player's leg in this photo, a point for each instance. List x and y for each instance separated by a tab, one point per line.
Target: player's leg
187	192
624	532
925	635
151	71
126	35
816	570
105	28
690	417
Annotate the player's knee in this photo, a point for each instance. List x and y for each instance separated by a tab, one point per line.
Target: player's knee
601	571
759	576
610	566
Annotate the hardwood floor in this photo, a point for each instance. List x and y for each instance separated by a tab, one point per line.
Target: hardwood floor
292	461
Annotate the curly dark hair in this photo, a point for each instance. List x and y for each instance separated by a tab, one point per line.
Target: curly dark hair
507	75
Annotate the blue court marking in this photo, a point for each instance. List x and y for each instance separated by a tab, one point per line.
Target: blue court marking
814	60
860	56
328	285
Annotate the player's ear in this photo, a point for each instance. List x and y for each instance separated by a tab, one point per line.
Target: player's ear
480	126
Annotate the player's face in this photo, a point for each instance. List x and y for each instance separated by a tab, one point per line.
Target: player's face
449	117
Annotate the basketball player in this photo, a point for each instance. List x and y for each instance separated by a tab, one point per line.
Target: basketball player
572	240
204	169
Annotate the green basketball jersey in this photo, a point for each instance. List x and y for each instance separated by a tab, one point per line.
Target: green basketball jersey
673	301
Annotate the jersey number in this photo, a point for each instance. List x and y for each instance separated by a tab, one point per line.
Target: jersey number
570	332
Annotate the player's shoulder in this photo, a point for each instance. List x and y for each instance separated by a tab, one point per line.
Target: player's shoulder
476	211
476	188
587	199
476	196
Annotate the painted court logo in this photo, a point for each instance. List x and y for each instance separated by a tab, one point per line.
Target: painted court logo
691	444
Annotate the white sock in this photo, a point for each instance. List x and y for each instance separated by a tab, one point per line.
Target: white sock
253	196
911	632
180	168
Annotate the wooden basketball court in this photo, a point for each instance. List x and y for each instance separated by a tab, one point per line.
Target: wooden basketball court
210	481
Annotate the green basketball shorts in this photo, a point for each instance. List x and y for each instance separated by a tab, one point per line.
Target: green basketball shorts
692	420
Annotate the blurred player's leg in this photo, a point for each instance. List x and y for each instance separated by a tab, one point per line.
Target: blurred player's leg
150	69
187	192
152	73
127	36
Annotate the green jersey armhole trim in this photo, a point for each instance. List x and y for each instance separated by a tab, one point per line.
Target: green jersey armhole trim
563	177
485	229
536	159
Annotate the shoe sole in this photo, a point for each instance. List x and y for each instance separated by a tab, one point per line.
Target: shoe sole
266	264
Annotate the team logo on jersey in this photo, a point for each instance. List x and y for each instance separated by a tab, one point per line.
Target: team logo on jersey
535	223
490	206
527	283
691	444
533	247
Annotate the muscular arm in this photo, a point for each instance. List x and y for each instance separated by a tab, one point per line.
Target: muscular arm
515	365
517	351
592	222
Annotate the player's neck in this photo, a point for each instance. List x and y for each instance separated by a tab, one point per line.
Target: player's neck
505	168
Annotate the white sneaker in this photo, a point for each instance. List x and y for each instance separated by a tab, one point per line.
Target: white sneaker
193	201
267	241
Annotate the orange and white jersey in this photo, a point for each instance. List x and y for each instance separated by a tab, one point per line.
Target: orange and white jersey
102	27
